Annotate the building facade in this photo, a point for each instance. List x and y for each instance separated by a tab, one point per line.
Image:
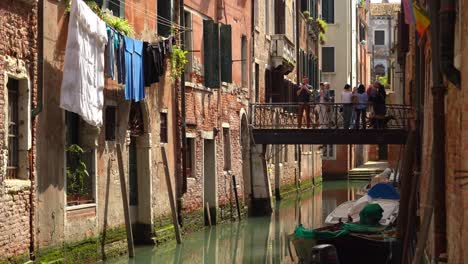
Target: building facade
18	104
437	88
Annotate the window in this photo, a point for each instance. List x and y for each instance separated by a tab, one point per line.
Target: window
379	37
304	5
13	122
163	123
280	13
329	152
257	83
190	158
244	60
164	17
227	149
110	123
362	32
115	6
188	45
285	152
328	59
328	11
80	161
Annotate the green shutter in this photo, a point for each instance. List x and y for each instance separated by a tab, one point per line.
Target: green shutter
325	10
208	52
216	66
331	11
226	53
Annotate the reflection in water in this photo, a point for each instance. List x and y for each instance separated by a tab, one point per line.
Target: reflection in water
254	240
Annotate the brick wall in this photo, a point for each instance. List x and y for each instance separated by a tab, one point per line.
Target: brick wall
337	168
18	32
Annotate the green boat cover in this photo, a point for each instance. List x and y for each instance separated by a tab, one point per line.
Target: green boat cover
370	217
371	214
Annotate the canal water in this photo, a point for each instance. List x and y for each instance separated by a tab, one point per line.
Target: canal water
253	240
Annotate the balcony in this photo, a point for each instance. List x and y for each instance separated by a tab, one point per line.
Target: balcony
283	54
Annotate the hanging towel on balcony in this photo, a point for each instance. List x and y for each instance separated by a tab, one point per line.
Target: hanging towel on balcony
134	78
83	72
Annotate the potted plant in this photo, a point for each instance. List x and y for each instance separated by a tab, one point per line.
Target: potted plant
322	25
306	14
310	20
77	173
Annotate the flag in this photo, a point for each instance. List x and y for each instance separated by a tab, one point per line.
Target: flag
422	19
408	11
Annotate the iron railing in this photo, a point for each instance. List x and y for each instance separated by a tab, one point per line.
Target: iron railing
326	116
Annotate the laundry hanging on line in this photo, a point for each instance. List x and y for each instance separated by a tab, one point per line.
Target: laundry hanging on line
82	86
134	63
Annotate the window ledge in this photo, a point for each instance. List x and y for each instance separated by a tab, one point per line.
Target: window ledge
329	73
17	185
197	86
80	207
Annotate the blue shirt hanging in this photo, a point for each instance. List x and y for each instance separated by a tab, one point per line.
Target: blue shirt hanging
134	79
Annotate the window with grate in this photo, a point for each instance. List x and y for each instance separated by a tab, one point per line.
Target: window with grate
328	59
329	152
379	37
227	149
163	128
190	158
110	126
362	32
13	144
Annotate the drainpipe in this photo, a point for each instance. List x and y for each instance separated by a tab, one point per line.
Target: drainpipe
447	14
40	56
34	113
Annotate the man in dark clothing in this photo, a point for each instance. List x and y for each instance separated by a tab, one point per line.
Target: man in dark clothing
304	98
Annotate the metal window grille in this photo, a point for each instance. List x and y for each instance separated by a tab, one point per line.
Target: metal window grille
13	144
163	132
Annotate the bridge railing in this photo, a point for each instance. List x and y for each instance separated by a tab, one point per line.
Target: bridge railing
326	116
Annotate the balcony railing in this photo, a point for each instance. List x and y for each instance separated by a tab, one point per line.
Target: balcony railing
282	50
326	116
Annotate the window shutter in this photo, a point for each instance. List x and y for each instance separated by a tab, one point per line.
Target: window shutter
216	66
208	52
331	11
226	53
325	10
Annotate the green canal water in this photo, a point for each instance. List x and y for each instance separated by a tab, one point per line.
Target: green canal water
253	240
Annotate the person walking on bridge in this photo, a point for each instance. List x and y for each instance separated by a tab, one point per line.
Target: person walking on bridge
304	98
347	106
361	106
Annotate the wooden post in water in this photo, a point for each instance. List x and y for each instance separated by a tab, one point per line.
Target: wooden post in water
123	188
208	215
175	222
237	197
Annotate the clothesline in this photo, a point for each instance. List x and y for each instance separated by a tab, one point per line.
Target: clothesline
154	17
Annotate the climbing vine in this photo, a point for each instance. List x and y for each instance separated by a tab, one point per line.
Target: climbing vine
178	61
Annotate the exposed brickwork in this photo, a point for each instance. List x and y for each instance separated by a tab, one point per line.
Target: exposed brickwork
18	35
337	168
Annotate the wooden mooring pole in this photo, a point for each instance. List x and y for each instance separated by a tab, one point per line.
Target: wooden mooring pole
123	188
237	197
175	222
